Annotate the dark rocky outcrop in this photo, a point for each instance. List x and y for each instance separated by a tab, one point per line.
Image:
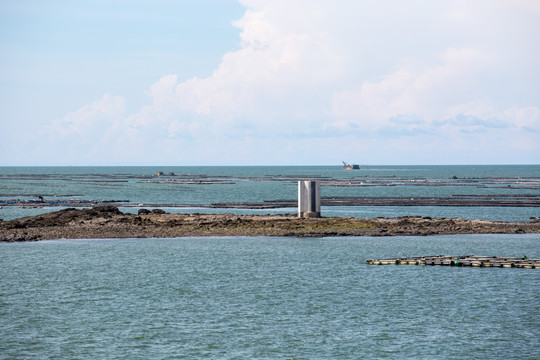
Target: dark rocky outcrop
109	222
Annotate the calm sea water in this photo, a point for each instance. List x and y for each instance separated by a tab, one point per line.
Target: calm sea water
86	183
266	298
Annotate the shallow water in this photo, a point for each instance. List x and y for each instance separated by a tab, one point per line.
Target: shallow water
266	298
257	184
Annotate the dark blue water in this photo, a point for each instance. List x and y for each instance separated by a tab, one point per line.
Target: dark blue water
266	298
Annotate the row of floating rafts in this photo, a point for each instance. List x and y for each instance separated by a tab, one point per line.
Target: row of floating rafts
468	260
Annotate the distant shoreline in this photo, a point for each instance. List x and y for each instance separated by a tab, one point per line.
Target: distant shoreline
108	222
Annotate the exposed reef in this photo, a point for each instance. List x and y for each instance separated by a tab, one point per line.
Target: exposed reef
109	222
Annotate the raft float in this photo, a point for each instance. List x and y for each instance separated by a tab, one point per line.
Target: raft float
467	260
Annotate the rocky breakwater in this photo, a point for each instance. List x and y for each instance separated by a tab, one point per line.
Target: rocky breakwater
109	222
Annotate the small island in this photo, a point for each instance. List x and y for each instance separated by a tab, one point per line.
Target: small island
109	222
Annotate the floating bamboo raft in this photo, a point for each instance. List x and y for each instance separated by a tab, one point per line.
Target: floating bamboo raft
468	260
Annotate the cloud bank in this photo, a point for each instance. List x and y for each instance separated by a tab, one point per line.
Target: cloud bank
315	82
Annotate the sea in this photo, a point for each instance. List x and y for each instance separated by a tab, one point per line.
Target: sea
267	297
197	187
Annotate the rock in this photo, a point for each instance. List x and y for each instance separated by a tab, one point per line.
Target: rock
143	212
107	209
108	222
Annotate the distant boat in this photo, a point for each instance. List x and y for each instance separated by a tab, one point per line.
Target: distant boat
350	167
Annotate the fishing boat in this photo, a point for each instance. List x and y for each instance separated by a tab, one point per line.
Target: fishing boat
347	166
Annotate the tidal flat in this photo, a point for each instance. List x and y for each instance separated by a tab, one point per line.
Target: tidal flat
110	222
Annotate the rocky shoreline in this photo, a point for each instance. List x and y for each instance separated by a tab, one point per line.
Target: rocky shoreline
109	222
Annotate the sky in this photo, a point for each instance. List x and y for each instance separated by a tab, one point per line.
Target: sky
269	82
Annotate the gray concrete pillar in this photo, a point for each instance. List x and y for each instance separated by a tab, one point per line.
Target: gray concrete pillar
309	198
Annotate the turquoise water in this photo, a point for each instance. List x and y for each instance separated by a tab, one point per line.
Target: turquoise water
257	184
266	298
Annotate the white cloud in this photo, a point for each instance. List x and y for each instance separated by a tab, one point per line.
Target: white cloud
318	72
89	119
523	117
426	93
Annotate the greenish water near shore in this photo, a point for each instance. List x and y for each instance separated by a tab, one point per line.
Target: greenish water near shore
266	298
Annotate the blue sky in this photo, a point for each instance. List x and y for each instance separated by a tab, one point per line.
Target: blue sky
253	82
